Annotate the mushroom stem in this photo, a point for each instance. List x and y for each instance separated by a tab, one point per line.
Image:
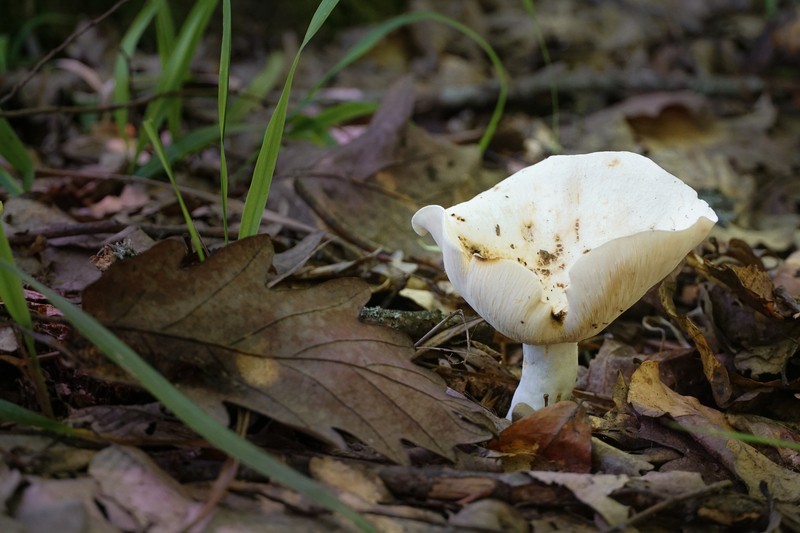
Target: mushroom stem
549	372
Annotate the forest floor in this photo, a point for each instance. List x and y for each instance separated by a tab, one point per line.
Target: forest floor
334	340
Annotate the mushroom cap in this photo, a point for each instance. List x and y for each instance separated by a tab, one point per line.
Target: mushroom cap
560	249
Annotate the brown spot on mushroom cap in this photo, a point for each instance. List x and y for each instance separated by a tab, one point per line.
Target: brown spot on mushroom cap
497	229
559	317
481	253
613	163
545	257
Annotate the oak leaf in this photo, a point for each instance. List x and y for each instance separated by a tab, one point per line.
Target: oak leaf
557	437
299	356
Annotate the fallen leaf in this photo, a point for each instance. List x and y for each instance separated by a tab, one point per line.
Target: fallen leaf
651	398
148	424
299	356
593	490
288	262
557	437
611	460
751	284
762	345
368	189
42	505
668	484
759	425
146	494
490	515
714	370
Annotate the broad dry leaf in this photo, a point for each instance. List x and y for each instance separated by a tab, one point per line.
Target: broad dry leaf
558	437
650	397
592	489
368	190
299	356
151	499
714	370
774	429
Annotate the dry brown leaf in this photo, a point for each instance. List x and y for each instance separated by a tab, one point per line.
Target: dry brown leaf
762	346
593	490
557	437
148	424
759	425
752	285
299	356
151	499
368	189
650	397
714	370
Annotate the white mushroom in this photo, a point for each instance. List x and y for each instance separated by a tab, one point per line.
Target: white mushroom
551	255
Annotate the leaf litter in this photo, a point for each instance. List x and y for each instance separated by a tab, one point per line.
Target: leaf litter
298	355
648	445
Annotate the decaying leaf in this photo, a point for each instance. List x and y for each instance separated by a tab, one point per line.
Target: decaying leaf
750	283
759	425
299	356
131	483
593	490
368	189
650	397
714	370
557	437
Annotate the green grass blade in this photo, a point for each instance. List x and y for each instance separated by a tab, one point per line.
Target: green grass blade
192	415
121	69
256	200
177	68
4	53
12	149
159	148
12	293
165	44
317	128
190	143
20	415
737	435
165	32
222	108
10	183
372	38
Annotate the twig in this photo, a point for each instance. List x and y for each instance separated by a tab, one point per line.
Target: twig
106	226
669	502
75	109
77	33
525	88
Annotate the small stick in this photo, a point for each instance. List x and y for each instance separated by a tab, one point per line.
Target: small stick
77	33
669	502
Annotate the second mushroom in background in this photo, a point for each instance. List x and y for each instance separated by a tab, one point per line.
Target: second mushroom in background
553	254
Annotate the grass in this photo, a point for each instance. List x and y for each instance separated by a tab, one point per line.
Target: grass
176	49
192	415
257	195
150	130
